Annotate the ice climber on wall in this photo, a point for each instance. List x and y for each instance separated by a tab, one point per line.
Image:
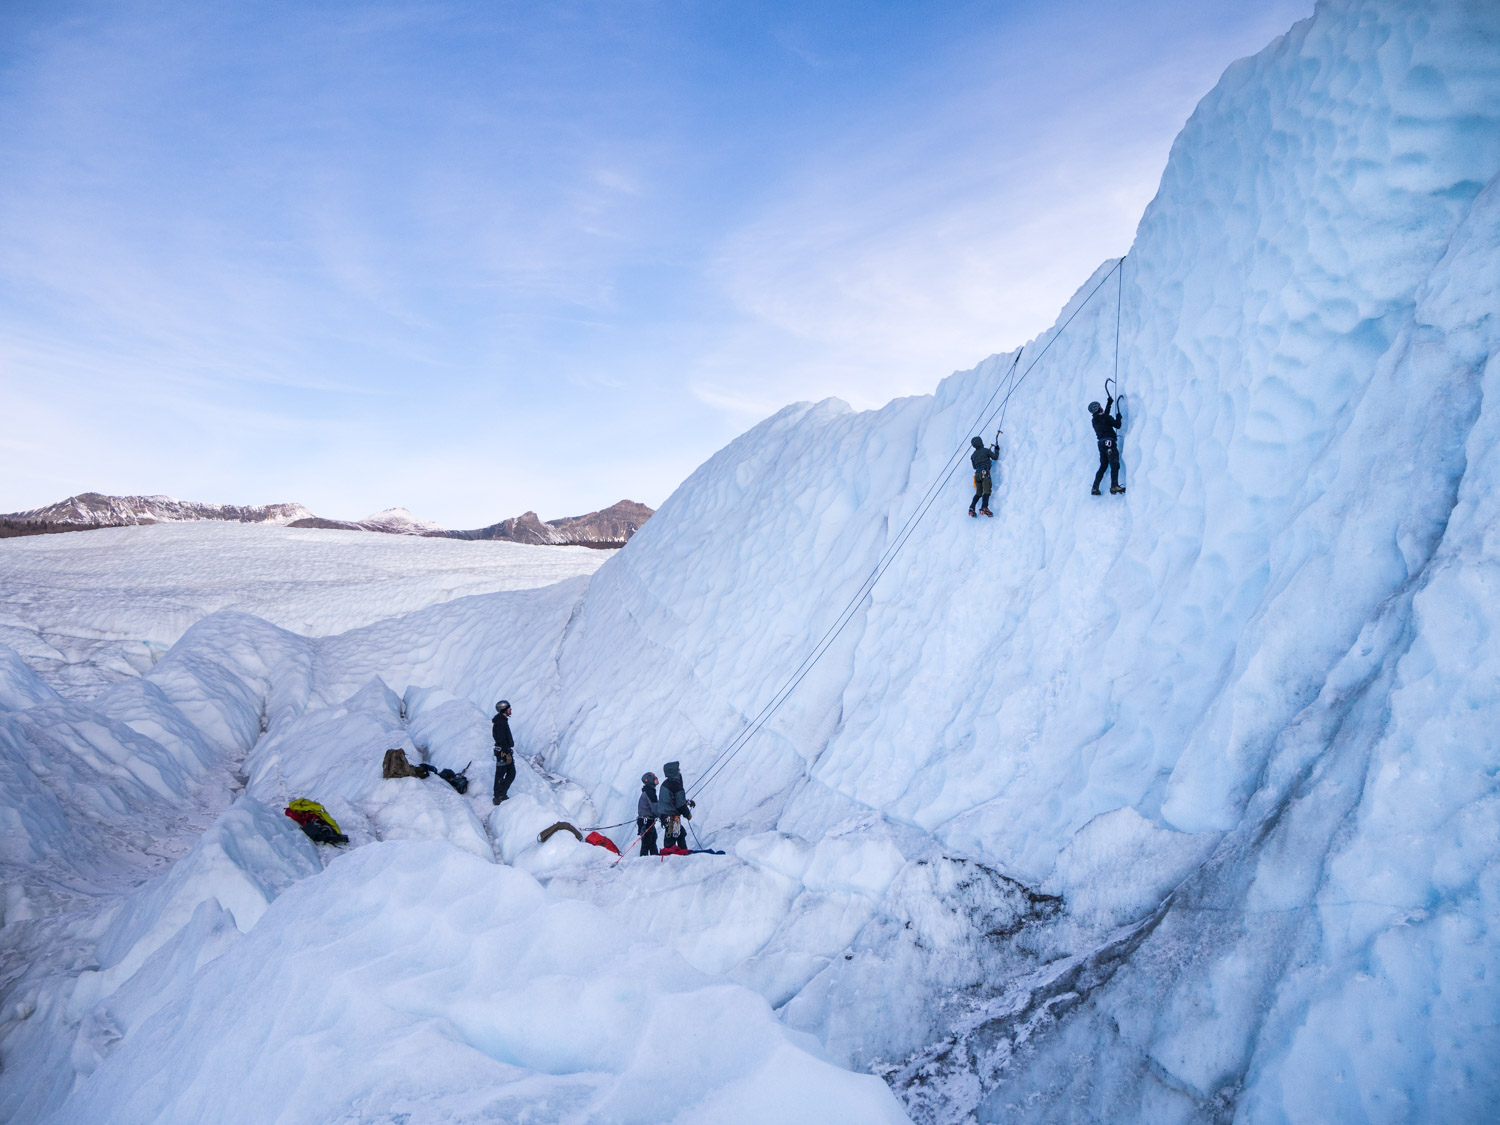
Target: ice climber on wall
1107	430
982	459
505	751
645	814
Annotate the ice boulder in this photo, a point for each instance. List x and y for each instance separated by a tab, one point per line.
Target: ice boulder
414	982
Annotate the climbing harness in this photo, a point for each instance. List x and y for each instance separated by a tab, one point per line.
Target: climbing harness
1009	384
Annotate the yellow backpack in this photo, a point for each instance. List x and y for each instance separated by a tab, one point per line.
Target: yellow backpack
302	804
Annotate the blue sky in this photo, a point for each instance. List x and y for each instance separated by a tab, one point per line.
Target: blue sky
477	258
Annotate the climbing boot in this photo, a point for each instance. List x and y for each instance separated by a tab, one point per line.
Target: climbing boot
1116	489
986	511
1094	491
971	513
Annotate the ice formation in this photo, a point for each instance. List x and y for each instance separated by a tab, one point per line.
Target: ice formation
1176	807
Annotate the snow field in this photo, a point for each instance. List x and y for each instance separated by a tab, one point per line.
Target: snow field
88	609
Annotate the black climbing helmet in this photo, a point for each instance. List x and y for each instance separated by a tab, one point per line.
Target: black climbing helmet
503	705
648	778
1094	408
978	442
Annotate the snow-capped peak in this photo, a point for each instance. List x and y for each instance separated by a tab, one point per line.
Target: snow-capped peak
402	521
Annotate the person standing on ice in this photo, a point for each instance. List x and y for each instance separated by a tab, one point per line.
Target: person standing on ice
505	751
645	814
672	806
1107	430
982	458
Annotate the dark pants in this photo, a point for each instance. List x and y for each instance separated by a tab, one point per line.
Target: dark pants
505	773
982	486
648	836
321	832
1109	458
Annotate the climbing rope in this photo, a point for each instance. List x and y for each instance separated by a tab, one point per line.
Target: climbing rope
738	743
1119	301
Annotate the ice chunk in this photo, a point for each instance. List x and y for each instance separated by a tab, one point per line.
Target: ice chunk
403	952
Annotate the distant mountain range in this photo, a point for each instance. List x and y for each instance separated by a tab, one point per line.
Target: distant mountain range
609	528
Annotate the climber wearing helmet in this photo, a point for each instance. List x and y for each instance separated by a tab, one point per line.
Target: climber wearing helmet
1106	430
645	814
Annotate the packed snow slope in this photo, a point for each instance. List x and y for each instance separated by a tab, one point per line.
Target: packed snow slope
1181	806
90	610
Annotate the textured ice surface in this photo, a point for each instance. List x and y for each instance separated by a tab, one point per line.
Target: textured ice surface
1176	807
467	994
90	608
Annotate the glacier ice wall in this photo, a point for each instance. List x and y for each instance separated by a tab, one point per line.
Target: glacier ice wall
1256	680
1176	807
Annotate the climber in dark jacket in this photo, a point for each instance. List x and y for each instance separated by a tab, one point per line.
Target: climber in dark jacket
645	814
672	805
1107	430
982	458
505	751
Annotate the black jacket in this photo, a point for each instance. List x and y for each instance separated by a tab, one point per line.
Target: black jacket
672	799
500	727
1105	427
645	808
983	458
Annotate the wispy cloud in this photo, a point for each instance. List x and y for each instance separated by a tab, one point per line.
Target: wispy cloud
425	253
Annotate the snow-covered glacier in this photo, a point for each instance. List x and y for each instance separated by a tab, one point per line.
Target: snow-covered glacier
1177	806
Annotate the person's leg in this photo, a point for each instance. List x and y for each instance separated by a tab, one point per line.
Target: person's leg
505	773
1114	466
984	505
975	502
648	841
1103	464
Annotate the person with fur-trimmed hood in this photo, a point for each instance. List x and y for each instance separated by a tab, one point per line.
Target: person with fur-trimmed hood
672	806
645	814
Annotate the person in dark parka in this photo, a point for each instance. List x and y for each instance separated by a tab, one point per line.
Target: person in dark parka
1107	431
673	806
982	458
505	751
645	814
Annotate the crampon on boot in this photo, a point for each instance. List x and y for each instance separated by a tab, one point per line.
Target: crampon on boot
1116	489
